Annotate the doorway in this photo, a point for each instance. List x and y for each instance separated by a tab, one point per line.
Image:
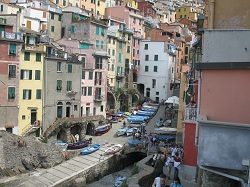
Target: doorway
68	111
87	111
33	115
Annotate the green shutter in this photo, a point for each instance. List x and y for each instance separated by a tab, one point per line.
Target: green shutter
83	74
69	68
84	46
97	30
59	84
119	57
102	44
11	92
37	74
27	40
69	85
22	71
30	74
59	17
38	94
97	43
12	49
38	57
26	56
72	28
103	31
29	94
23	94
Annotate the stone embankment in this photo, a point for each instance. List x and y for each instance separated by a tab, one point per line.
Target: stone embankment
21	154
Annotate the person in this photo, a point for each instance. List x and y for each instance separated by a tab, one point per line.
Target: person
77	137
160	181
124	124
176	183
160	162
177	162
169	164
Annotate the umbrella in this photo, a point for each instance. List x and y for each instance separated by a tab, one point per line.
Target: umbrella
173	100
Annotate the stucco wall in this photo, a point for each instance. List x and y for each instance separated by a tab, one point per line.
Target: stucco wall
226	99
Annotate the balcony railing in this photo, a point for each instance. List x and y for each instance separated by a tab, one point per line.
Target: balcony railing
190	114
34	47
120	75
10	35
99	98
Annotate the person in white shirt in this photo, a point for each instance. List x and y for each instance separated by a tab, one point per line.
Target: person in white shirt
160	181
169	164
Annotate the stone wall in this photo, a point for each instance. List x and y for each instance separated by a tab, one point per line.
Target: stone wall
19	154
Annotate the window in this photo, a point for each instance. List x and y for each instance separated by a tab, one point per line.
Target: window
12	70
72	28
83	74
113	67
69	68
59	66
52	16
156	58
101	108
186	50
57	1
23	117
75	107
113	41
83	63
11	92
146	57
133	52
119	57
98	78
89	91
90	75
12	49
134	20
38	57
98	63
37	74
102	44
26	94
69	85
27	56
128	49
157	99
59	85
26	74
103	31
97	30
138	51
97	43
153	83
120	45
156	93
140	21
59	17
108	51
64	3
129	37
155	68
146	68
38	94
84	91
146	46
52	29
1	8
109	40
113	52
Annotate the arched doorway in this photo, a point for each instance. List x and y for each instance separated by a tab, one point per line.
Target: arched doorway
123	99
110	101
62	136
148	92
59	109
76	129
90	129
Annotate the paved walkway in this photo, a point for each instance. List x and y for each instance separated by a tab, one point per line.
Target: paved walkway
60	173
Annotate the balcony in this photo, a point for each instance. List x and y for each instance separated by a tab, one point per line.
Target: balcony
190	114
121	38
33	47
120	75
10	36
71	93
72	58
98	98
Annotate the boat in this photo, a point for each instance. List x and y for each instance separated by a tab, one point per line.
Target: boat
113	149
90	149
113	120
165	137
119	181
78	145
162	122
102	129
134	143
122	131
165	130
130	131
136	119
58	143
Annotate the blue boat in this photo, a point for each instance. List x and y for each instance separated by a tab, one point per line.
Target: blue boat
144	114
119	181
134	143
136	119
58	143
149	109
90	149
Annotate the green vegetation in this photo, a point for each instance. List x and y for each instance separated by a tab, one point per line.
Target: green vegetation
119	91
135	169
124	183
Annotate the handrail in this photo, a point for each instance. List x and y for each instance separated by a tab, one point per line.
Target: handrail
26	128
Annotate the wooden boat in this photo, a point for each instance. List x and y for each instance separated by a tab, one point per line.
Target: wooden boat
119	181
78	145
58	143
113	149
134	143
165	137
90	149
102	129
130	131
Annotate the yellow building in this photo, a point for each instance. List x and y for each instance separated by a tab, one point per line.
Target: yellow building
31	83
131	3
186	12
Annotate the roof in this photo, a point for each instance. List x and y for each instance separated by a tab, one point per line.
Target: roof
29	31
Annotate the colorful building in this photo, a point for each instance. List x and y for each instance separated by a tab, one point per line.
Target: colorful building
186	12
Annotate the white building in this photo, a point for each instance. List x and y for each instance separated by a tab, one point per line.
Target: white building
156	70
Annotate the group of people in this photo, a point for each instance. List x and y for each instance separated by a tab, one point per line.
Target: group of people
172	158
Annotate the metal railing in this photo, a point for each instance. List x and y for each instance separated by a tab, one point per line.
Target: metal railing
34	47
26	128
190	114
10	35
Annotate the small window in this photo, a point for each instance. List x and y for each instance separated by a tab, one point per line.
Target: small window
59	85
38	57
59	17
83	74
52	29
89	91
102	44
72	28
11	92
69	85
27	56
23	117
146	68
155	68
69	68
153	83
26	74
128	49
90	75
38	94
12	49
156	58
103	31
138	51
113	52
97	30
75	107
157	99
26	94
59	66
146	57
156	93
52	16
101	108
84	91
12	70
97	43
37	74
146	46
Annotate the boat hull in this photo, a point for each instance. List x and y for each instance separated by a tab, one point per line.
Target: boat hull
90	149
78	145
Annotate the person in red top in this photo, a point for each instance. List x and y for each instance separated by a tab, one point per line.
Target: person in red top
177	162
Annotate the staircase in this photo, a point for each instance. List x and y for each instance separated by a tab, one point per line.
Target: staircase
28	129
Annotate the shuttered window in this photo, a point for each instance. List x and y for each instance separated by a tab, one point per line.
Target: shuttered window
37	75
38	94
12	49
69	68
69	85
11	92
59	85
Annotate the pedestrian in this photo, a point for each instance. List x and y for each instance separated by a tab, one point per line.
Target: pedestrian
169	164
159	164
176	183
133	135
124	123
160	181
177	162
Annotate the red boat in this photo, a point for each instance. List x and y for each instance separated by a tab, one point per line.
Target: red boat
103	129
